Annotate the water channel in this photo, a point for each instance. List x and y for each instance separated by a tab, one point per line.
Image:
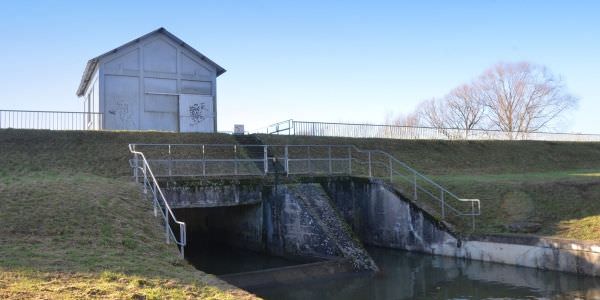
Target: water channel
407	275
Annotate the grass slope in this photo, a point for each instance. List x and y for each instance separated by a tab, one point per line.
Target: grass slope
556	184
73	225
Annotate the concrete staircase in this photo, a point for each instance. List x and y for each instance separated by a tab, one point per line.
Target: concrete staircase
258	153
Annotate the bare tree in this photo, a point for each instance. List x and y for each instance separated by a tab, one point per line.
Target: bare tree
433	112
522	97
465	110
461	109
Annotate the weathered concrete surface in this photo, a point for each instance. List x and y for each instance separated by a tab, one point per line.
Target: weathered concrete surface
535	252
314	199
289	220
382	217
186	195
302	221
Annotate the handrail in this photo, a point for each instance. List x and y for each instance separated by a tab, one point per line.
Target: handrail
167	213
53	120
475	203
336	129
322	162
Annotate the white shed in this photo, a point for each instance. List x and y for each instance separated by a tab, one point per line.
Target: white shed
155	82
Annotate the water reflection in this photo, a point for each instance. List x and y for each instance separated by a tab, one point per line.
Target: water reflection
219	259
408	275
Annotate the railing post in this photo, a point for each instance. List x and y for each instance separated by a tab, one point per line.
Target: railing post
265	160
235	162
443	204
329	154
170	162
203	161
370	172
286	163
136	166
167	226
473	215
145	179
182	239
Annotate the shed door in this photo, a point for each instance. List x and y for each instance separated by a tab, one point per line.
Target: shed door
196	113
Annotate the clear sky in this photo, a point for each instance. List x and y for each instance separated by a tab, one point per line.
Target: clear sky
308	60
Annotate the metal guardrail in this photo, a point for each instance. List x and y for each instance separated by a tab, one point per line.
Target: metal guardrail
158	199
304	128
206	160
53	120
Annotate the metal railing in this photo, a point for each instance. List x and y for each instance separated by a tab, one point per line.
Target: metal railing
53	120
158	199
205	160
304	128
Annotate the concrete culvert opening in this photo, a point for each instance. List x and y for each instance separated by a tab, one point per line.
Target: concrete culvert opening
229	239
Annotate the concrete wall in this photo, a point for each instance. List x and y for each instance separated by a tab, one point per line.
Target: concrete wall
211	195
382	217
296	221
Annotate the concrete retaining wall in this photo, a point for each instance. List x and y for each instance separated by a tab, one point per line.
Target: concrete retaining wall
382	217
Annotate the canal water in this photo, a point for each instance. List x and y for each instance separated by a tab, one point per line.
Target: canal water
220	259
407	275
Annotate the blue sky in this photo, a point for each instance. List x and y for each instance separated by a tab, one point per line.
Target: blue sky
308	60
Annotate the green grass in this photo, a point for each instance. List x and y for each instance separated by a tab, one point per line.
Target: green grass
73	225
555	184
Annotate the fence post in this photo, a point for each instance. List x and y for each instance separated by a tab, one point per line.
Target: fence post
286	163
203	161
265	160
329	153
370	172
443	204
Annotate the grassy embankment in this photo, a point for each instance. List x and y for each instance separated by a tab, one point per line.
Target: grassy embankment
554	184
73	225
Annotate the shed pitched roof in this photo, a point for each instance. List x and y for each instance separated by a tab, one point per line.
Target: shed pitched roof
93	63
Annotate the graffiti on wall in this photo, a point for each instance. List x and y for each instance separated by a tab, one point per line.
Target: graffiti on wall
198	113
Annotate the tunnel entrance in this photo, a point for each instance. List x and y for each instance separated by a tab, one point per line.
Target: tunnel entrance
229	239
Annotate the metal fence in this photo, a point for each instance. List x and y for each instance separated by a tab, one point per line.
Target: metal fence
304	128
54	120
202	160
